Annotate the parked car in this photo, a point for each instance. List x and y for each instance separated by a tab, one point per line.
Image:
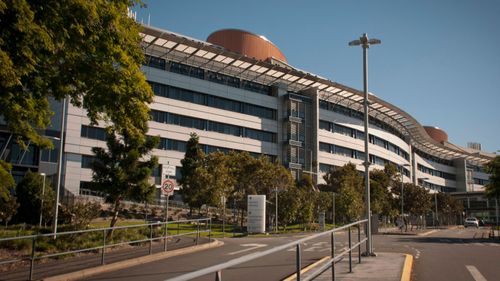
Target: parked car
471	222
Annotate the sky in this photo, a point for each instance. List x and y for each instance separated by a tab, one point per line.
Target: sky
439	60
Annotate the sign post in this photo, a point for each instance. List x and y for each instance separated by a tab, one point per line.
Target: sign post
167	188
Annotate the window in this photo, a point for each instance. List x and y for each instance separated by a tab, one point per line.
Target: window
187	70
255	87
93	133
50	155
325	147
87	161
154	62
223	79
212	101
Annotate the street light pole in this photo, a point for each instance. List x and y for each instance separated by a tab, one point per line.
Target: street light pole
365	43
41	204
60	165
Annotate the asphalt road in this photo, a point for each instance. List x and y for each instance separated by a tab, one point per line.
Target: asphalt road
272	267
448	254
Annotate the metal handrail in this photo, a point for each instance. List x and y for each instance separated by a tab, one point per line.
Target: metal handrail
219	267
104	245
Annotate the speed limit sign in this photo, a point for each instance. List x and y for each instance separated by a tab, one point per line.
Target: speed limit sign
167	187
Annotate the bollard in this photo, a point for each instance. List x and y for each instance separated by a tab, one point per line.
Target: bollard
218	276
297	259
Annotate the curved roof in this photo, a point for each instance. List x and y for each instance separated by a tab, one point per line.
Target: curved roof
180	48
246	43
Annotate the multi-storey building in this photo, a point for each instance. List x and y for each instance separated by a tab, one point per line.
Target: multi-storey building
238	92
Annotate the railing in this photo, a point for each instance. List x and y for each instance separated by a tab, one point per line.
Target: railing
217	269
152	232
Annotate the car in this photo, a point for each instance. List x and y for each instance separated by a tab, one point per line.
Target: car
471	222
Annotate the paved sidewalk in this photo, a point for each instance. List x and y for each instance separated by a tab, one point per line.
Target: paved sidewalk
383	267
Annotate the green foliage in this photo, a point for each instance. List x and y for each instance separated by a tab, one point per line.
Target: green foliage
417	200
493	186
120	172
382	182
79	214
8	202
86	51
192	187
348	184
30	193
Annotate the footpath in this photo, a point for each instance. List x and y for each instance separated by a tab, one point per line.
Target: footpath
382	267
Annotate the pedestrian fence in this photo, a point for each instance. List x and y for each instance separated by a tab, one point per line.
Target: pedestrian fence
217	269
100	240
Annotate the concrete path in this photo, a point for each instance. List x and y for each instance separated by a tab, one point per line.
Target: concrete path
383	267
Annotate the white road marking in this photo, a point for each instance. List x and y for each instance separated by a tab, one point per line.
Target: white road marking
475	273
251	247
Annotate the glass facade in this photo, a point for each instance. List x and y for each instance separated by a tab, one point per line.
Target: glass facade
212	101
207	125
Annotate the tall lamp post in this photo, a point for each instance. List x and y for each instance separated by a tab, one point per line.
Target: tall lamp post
402	188
365	43
41	203
60	165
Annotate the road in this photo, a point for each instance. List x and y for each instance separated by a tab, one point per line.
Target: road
273	267
448	254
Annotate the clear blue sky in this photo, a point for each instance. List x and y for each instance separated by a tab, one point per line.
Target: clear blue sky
439	60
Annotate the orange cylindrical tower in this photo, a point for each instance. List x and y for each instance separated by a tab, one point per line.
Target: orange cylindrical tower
246	43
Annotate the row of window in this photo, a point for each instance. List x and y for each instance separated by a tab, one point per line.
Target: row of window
436	173
207	125
181	146
357	134
481	181
476	168
91	132
436	186
356	154
359	115
212	101
199	73
434	158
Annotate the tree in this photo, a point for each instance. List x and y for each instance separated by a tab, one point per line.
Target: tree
382	182
80	213
493	186
307	197
120	171
8	202
348	184
30	194
191	186
219	183
417	200
86	51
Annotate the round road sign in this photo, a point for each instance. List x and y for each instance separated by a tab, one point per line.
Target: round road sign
167	187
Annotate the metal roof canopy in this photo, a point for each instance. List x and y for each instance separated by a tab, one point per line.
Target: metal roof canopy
183	49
